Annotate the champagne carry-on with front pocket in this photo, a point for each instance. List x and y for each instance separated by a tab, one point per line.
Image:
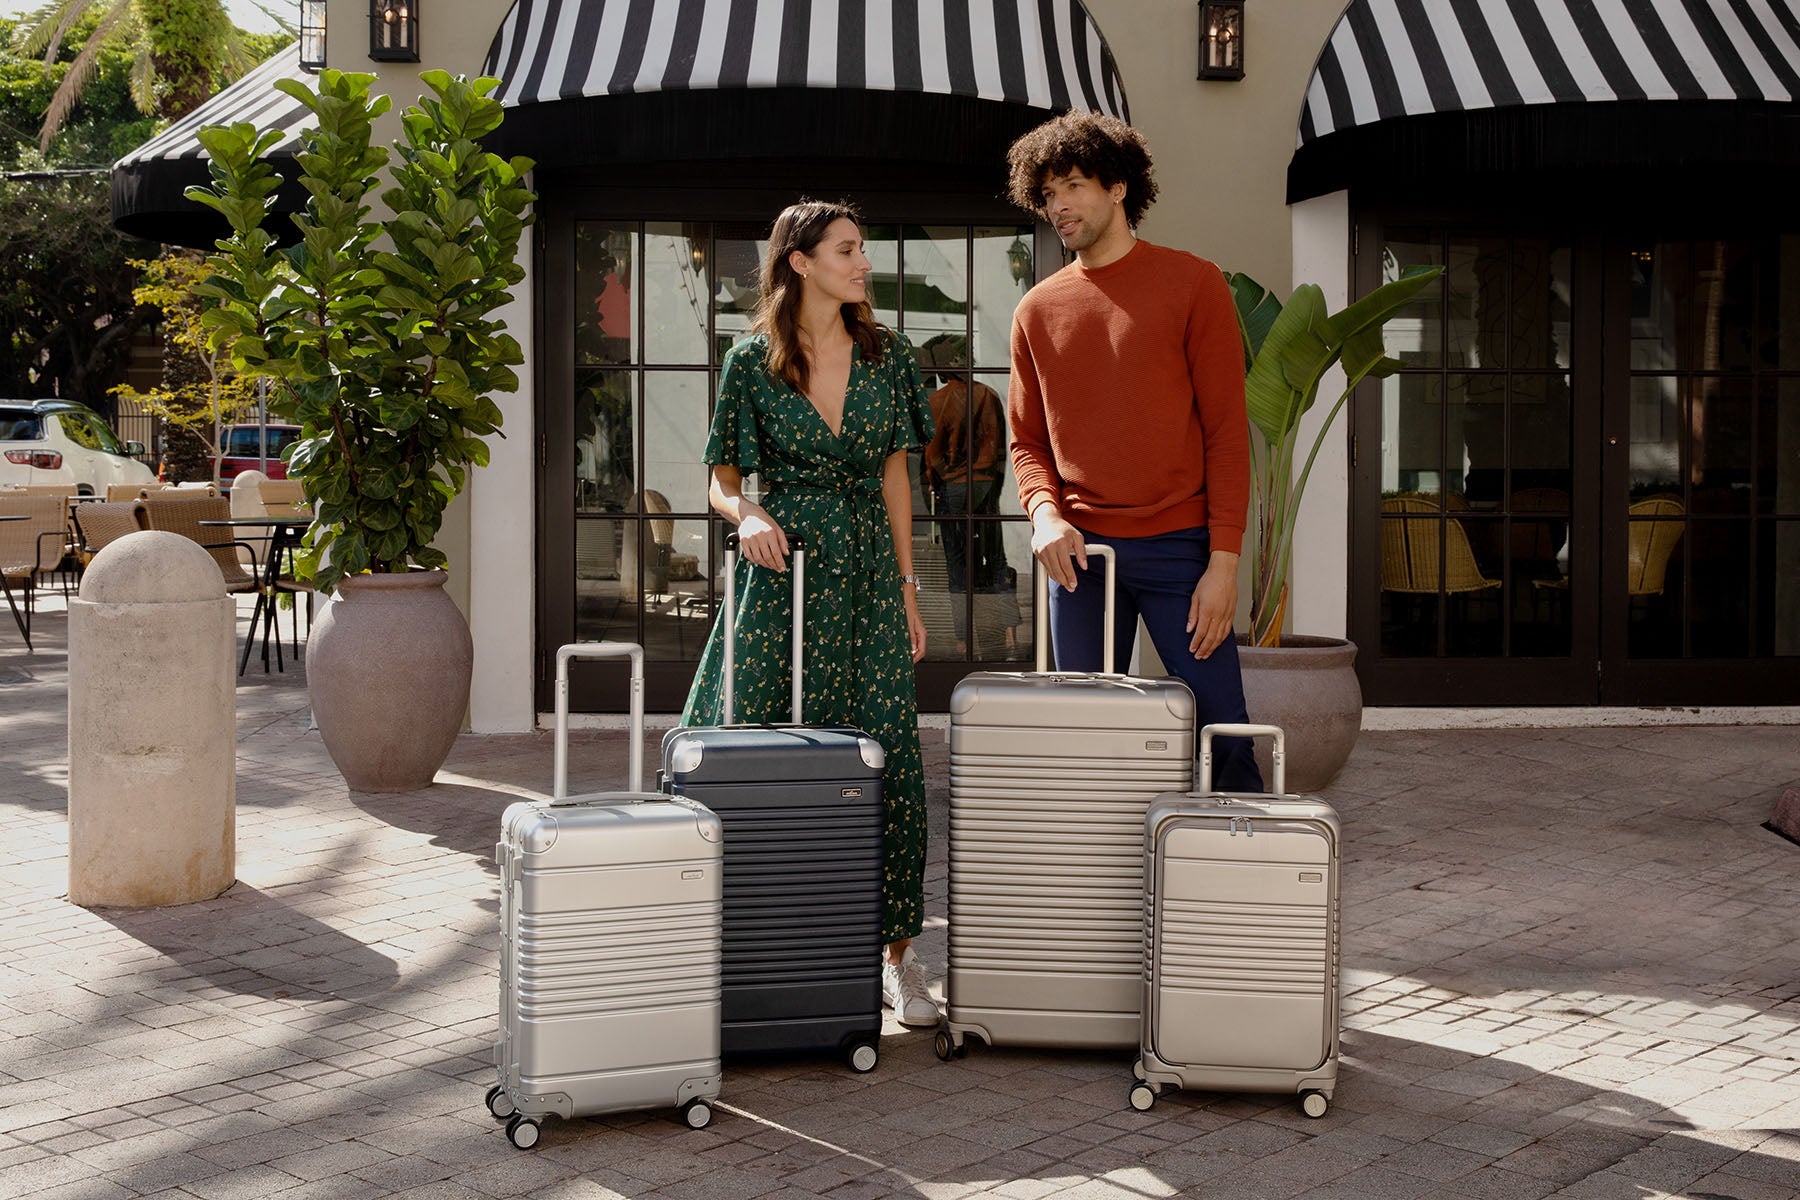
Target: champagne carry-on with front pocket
609	954
1241	940
1051	773
804	819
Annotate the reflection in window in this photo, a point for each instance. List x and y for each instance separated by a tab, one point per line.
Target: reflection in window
605	451
605	319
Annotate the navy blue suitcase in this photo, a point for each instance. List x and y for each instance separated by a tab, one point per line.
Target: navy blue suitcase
804	820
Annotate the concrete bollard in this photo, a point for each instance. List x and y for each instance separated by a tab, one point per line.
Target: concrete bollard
152	726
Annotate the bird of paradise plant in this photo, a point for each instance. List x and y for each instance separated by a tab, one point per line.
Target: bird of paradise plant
1287	351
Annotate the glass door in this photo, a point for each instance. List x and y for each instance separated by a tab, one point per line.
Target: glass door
1702	520
1469	572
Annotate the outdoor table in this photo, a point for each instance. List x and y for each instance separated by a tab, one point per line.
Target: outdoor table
10	602
284	535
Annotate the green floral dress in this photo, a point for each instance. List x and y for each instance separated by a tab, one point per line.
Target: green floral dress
858	662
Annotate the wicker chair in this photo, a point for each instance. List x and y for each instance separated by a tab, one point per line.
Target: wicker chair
176	512
1650	543
1409	551
32	547
101	523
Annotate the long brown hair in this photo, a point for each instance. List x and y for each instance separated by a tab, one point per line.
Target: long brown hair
802	227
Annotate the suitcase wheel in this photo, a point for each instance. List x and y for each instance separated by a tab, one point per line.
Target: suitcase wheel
522	1131
947	1048
1314	1103
1137	1069
1143	1095
862	1057
697	1114
499	1104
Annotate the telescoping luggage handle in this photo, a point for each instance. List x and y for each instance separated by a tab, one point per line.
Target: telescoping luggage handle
797	568
1040	618
559	787
1244	731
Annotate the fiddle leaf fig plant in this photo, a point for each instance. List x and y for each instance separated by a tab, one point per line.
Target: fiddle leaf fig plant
376	333
1287	350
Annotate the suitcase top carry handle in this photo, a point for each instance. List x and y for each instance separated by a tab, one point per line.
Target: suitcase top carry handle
559	787
1040	617
1244	731
797	544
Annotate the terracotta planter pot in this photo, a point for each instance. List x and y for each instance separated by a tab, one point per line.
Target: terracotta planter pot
387	666
1306	685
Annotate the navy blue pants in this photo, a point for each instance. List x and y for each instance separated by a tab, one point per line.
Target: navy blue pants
1156	581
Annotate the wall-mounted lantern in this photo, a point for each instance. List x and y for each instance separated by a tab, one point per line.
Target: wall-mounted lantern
394	30
1018	257
312	35
1221	39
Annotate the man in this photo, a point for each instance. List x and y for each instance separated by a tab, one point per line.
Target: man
963	467
1128	423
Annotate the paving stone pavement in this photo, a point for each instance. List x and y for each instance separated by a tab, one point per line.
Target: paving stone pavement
1572	969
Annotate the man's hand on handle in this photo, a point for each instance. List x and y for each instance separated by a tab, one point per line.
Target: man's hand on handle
1055	542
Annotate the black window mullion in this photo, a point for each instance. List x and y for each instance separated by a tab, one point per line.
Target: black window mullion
1443	463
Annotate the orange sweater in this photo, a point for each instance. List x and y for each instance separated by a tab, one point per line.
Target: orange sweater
1127	398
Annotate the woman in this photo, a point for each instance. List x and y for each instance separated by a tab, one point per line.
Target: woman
824	403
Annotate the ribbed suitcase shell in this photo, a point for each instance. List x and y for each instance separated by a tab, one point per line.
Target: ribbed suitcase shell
804	818
1241	957
610	910
1050	777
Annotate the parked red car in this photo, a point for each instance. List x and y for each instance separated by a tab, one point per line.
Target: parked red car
238	443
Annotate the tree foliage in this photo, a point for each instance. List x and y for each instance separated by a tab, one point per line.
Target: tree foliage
101	128
377	334
199	390
178	53
67	313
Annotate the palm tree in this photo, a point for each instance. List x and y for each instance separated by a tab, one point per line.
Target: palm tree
182	48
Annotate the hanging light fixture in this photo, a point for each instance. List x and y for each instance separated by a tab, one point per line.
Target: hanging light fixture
394	30
1221	39
312	35
1018	257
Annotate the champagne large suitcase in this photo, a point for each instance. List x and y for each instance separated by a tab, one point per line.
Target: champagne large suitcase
804	819
1050	776
1241	940
610	918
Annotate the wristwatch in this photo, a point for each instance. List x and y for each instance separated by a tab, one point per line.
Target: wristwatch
912	579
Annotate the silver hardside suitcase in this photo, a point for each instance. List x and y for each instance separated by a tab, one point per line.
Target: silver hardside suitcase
610	917
1240	940
1050	776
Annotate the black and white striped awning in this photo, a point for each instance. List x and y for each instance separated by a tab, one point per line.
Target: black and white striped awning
148	184
946	81
1047	54
1405	64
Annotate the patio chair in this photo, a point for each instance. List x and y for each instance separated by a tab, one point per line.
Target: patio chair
1650	544
181	513
103	522
1410	551
31	547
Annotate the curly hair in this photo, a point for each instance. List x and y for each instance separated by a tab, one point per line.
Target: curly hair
1100	147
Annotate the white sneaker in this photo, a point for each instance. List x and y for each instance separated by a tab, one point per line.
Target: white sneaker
903	990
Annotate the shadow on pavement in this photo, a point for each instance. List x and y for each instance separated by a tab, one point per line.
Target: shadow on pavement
250	942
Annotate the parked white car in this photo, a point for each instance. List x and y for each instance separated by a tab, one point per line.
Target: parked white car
60	441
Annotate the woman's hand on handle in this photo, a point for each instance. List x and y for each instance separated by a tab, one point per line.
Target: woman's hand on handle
760	539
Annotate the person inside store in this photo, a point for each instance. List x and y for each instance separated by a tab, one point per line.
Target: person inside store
964	465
